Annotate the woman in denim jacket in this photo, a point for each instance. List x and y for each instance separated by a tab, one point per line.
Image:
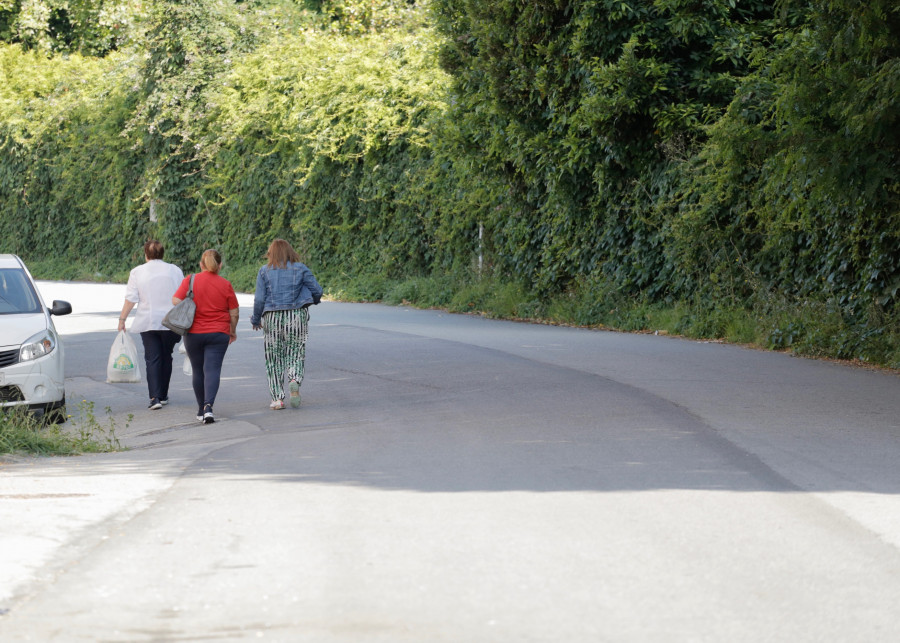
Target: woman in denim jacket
285	288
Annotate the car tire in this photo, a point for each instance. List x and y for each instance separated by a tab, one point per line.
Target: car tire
56	413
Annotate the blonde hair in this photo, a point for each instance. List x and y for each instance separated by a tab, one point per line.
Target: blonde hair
211	260
280	253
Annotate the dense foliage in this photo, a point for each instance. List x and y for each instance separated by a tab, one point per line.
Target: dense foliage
823	116
722	153
582	106
600	159
797	193
85	26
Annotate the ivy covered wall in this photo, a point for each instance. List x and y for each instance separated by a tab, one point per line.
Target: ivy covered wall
716	154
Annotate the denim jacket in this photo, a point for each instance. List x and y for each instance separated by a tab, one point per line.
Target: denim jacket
293	286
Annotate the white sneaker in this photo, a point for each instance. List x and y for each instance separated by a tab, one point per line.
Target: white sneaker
277	405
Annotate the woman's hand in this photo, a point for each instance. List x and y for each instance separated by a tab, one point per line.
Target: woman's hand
232	336
126	308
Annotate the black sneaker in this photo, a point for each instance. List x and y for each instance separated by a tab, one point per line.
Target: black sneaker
155	404
208	417
200	414
164	402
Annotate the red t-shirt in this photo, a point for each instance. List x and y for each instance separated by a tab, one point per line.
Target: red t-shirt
214	297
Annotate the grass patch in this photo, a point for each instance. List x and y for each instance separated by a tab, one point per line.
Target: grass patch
424	292
829	329
356	288
815	329
810	328
497	299
23	432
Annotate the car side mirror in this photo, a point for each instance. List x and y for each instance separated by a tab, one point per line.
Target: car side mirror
60	307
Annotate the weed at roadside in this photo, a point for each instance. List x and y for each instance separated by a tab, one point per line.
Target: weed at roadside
93	437
23	432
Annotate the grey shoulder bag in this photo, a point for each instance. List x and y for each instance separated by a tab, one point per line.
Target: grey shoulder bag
181	317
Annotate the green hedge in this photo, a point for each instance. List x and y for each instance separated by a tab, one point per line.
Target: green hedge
67	175
315	136
329	152
727	155
731	166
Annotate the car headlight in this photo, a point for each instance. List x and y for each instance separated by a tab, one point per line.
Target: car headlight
37	346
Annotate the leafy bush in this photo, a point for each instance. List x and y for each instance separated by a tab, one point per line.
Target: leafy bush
681	164
579	107
212	140
799	184
92	27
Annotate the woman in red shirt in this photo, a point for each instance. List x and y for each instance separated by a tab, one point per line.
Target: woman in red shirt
214	328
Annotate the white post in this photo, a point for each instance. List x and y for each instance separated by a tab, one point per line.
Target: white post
480	247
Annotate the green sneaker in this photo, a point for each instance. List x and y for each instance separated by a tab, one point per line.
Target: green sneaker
295	394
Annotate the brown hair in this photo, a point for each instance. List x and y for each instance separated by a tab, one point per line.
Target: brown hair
211	260
153	249
280	253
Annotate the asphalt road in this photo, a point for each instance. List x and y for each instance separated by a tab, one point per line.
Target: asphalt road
451	478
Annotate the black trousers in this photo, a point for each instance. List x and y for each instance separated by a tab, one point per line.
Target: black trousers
158	347
206	352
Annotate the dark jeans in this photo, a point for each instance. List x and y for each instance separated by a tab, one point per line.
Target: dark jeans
206	352
158	346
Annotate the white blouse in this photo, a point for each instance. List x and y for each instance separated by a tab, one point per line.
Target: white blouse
151	286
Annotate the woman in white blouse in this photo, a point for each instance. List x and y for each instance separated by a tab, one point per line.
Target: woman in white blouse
150	288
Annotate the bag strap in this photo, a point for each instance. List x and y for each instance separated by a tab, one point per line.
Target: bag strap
190	292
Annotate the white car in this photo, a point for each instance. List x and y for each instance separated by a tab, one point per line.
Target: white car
31	357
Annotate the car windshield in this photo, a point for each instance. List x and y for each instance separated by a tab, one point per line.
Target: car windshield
16	293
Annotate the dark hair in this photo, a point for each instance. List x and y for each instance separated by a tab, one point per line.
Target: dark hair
280	253
154	249
211	260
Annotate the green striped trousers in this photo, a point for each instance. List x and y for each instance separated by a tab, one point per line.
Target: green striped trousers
285	334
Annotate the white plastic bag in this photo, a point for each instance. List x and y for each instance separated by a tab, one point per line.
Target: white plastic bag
123	361
186	367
